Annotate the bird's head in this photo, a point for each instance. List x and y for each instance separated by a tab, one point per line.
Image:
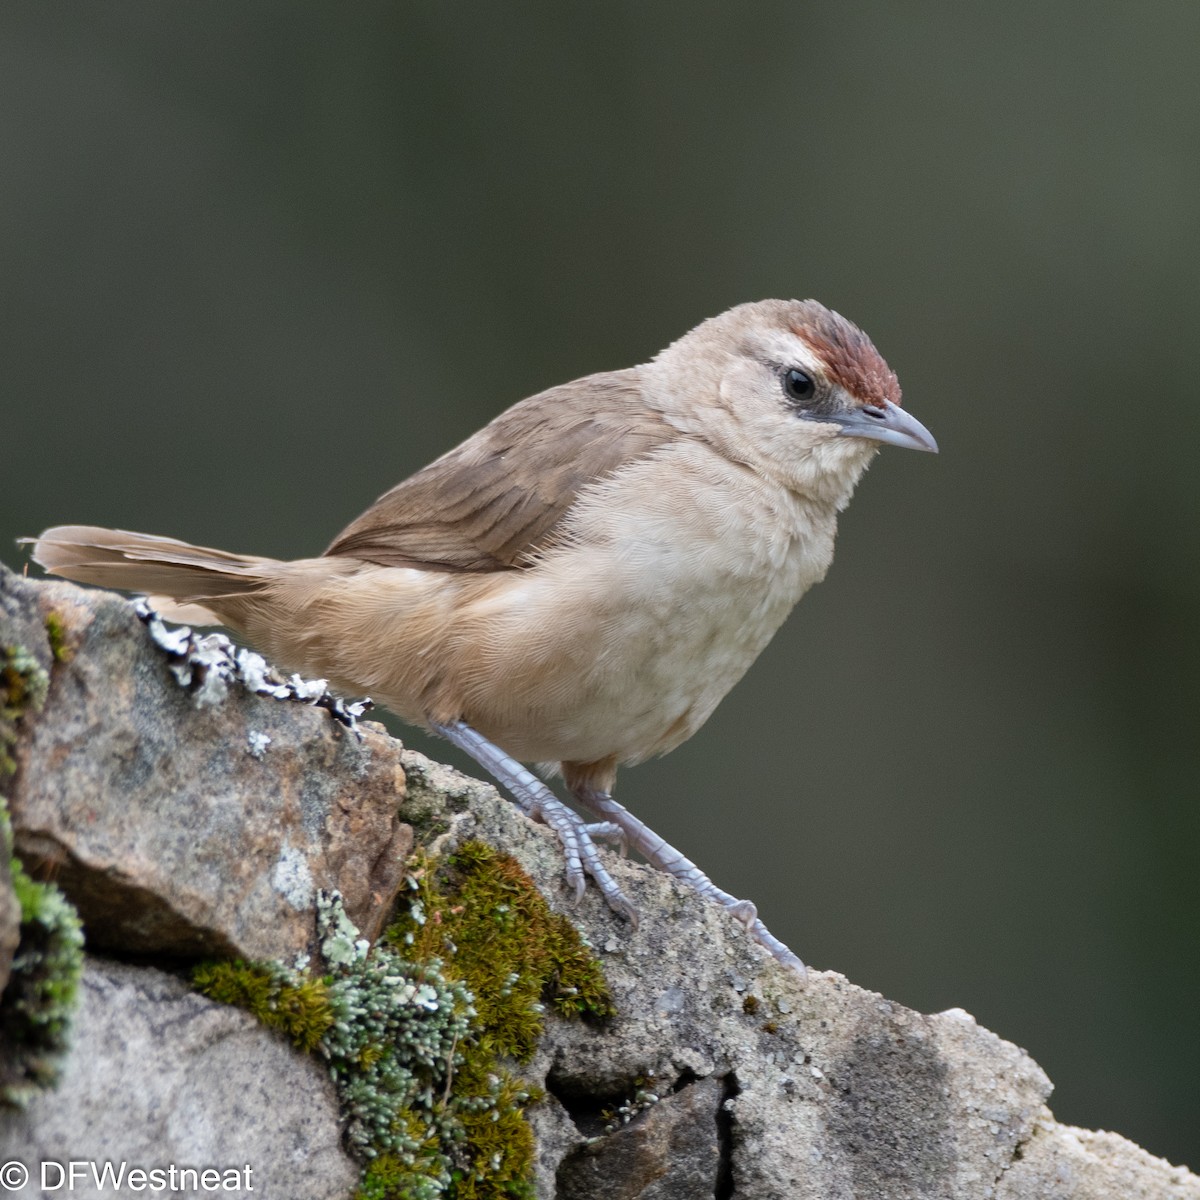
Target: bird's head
791	389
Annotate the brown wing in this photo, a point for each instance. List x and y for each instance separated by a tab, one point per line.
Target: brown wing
490	502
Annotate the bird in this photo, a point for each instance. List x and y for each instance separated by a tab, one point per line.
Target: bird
579	583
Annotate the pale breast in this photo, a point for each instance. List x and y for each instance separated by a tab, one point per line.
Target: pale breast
671	578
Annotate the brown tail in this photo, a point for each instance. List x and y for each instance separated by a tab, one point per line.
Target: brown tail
157	566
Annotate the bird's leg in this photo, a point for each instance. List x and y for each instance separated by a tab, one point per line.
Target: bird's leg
538	802
665	857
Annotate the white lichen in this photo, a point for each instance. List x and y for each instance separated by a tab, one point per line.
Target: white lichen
209	665
292	878
340	943
258	743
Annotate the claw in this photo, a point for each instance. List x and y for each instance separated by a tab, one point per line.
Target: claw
764	937
743	911
610	833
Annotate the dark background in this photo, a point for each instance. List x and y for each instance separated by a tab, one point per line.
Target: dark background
259	262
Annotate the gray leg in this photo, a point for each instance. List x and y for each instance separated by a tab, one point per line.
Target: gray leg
666	858
538	802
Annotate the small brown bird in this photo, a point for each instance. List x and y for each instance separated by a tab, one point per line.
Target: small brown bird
583	580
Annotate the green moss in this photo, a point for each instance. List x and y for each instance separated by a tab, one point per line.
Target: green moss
497	1136
56	634
36	1007
23	686
423	1023
387	1178
428	820
484	915
297	1006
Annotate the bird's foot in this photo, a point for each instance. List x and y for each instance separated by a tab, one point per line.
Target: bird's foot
538	802
665	857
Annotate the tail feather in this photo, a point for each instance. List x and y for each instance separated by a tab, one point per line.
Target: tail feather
142	562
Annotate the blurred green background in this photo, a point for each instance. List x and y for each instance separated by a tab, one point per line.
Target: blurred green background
259	262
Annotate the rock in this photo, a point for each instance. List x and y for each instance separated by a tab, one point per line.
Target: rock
832	1091
737	1079
159	1076
673	1150
1063	1163
190	823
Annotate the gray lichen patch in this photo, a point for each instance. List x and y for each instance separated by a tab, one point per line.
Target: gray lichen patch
292	878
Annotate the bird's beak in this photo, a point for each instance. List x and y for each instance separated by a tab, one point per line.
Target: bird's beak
887	422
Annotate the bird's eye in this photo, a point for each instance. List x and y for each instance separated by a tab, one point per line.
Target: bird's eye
798	385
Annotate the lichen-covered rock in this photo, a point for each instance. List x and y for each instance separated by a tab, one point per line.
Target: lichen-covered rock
24	682
704	1068
188	821
38	1002
159	1076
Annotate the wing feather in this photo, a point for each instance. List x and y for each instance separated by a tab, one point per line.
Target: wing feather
491	503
